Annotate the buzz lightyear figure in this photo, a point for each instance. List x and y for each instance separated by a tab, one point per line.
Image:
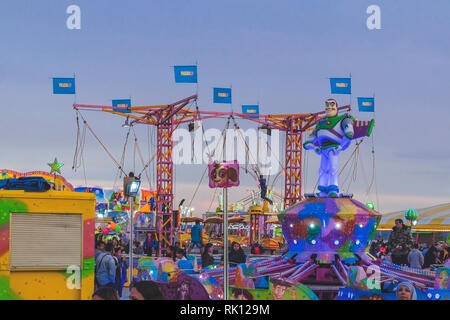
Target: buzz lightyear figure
331	135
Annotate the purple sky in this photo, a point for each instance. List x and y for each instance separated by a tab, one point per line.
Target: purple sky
277	53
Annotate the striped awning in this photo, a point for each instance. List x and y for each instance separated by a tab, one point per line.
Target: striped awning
436	218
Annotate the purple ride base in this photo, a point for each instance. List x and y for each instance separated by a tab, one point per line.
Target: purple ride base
327	237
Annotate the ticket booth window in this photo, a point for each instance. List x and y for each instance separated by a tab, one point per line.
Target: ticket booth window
45	241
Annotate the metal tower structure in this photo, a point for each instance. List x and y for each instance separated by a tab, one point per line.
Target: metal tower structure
293	162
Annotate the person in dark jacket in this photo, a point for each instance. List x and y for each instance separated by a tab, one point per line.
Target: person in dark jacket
236	254
121	271
400	242
105	293
374	248
170	252
138	249
431	257
180	254
150	244
207	257
146	290
263	186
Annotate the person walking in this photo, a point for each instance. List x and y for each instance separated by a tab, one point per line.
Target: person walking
147	245
105	267
400	242
121	271
154	243
196	237
263	186
415	257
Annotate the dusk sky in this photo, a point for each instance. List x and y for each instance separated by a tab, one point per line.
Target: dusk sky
279	54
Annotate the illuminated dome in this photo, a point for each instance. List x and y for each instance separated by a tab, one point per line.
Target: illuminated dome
328	226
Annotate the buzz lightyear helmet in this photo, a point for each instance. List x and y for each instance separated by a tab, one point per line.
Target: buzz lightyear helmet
331	107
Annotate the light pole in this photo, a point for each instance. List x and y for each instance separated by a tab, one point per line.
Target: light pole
131	186
130	256
225	243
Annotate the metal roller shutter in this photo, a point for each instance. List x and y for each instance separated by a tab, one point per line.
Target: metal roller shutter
45	241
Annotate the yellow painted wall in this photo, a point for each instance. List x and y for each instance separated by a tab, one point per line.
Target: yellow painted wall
40	284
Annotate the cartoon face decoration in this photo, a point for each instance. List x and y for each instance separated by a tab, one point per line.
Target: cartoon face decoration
278	292
220	175
331	108
441	280
223	175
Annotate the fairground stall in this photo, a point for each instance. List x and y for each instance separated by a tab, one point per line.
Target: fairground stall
46	241
432	224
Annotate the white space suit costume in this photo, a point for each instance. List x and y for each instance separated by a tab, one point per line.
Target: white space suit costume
330	136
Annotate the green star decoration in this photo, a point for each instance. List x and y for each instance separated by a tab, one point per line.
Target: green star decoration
55	166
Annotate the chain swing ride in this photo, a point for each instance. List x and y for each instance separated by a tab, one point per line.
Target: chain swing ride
166	118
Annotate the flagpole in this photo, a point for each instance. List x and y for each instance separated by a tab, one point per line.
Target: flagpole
350	90
75	94
225	243
373	155
196	86
231	87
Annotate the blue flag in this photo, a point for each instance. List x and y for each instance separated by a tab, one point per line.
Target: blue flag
366	104
251	110
341	85
222	95
63	85
97	191
122	103
185	74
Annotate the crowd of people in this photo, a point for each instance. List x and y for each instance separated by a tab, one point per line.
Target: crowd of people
111	269
405	252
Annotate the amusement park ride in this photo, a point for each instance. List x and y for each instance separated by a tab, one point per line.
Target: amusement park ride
169	117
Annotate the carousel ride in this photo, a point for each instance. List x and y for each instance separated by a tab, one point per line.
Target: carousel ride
327	235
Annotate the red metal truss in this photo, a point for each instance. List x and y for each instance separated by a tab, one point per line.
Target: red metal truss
164	182
293	162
